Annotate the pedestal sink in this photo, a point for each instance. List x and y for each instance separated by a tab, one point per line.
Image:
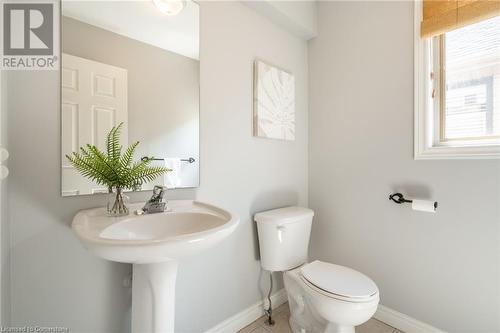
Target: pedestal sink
153	244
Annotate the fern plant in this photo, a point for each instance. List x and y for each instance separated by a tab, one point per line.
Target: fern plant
113	169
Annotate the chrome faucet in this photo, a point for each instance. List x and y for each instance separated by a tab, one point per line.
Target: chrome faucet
156	203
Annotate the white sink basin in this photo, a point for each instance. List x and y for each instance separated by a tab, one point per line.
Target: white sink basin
153	243
189	227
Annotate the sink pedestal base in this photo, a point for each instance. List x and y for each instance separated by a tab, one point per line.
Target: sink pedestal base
153	297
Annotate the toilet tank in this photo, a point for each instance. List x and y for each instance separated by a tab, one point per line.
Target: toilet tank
284	237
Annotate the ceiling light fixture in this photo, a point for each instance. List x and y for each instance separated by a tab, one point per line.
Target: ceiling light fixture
170	7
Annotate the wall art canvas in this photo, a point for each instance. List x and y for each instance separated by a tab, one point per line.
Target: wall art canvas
274	102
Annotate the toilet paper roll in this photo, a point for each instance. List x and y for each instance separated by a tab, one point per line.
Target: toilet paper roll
424	206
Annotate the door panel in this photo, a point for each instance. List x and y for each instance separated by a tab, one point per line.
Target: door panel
94	99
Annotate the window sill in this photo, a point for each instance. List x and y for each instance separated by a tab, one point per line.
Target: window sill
454	152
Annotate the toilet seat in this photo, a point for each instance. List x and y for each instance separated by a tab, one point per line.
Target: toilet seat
338	282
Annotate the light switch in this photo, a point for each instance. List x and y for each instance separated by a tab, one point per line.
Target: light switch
4	172
4	154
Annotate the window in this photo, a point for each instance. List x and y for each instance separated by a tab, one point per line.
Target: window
458	93
470	69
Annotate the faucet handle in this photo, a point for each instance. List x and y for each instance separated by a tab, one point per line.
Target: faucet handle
158	192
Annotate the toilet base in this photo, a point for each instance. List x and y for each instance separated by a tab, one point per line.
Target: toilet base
311	312
330	328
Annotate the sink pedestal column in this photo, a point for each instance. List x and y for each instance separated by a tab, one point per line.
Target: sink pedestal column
153	297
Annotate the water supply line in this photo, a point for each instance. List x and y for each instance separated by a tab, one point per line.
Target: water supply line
269	310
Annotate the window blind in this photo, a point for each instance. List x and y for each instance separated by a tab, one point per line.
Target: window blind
440	16
471	72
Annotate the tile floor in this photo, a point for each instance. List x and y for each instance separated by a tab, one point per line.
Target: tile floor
282	313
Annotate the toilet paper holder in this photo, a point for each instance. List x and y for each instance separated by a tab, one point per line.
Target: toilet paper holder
399	199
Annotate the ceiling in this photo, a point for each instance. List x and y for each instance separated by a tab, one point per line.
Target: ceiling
141	20
298	17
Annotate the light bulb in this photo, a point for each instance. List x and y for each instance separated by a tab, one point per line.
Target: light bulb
170	7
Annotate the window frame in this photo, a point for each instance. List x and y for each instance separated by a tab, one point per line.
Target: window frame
428	113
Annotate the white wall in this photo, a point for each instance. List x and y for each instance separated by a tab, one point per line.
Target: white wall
54	281
442	269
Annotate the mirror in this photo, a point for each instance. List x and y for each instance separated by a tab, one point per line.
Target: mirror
134	62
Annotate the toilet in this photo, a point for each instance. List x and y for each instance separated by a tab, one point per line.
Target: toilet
323	297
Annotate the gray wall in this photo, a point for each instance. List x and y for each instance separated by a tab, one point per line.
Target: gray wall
238	171
54	281
4	225
442	269
162	86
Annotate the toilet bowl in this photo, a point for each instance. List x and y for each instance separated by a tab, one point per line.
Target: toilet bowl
322	302
323	297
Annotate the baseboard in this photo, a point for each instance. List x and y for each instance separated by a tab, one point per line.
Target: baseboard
249	315
386	315
403	322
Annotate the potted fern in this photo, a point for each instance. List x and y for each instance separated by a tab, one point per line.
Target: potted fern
115	170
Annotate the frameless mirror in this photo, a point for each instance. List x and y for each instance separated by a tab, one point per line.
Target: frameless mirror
136	63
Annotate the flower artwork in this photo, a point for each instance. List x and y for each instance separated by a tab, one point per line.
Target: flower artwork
274	102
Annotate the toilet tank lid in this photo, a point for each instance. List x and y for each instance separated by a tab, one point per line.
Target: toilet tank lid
284	215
